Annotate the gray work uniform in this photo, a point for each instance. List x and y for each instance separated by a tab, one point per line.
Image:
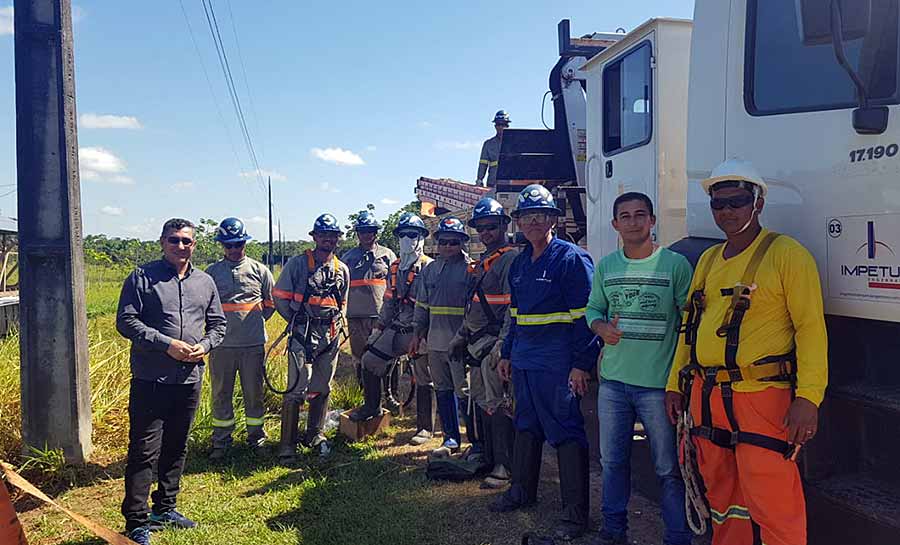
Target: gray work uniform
440	306
396	321
490	159
299	296
491	275
368	281
245	288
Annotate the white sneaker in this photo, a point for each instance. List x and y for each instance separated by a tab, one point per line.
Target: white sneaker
498	478
420	438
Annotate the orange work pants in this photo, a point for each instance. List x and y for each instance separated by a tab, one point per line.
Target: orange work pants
11	532
750	484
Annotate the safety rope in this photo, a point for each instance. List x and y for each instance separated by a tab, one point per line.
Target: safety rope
695	506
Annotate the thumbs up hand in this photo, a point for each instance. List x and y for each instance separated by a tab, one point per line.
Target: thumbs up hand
608	331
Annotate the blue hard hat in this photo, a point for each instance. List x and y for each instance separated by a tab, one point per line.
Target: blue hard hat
488	208
408	220
536	197
326	223
365	221
451	226
232	230
501	117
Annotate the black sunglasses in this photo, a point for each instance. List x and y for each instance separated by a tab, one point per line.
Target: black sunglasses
184	240
482	228
738	201
449	242
408	234
232	245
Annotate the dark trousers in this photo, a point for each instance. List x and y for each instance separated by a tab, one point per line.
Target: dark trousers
160	417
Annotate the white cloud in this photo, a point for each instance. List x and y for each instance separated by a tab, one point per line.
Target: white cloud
425	124
276	176
6	20
181	187
371	148
102	165
389	201
257	219
119	179
338	156
112	211
106	121
452	145
327	187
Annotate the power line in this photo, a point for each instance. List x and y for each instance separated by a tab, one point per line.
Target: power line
209	85
229	80
237	42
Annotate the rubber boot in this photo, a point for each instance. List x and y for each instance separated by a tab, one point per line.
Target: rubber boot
574	489
372	395
391	383
315	421
424	415
526	473
448	410
469	418
504	436
290	430
485	427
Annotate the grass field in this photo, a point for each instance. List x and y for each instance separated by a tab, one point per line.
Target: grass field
369	492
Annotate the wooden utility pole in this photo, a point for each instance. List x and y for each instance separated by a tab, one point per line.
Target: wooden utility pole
271	259
56	400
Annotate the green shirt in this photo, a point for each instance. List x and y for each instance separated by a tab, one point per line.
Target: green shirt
647	295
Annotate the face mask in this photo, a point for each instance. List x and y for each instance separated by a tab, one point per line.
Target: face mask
408	245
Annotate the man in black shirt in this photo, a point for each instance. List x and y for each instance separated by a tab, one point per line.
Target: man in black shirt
172	315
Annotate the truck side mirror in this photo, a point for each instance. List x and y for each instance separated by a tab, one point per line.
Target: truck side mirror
814	20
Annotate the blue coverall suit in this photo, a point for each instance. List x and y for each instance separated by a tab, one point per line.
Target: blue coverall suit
548	337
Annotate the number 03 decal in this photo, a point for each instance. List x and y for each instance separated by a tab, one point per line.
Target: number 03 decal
876	152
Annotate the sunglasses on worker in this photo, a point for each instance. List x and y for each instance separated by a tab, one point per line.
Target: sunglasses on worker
488	227
449	242
534	217
408	234
233	245
738	201
183	240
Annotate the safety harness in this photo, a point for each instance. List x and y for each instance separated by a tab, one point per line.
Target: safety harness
775	369
395	294
477	295
329	297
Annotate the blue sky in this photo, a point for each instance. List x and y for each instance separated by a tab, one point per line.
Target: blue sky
349	102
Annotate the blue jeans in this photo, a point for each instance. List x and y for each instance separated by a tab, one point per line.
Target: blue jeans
618	404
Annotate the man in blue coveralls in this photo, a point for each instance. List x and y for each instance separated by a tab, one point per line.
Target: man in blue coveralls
548	355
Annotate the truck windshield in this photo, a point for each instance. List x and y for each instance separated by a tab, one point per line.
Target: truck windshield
782	75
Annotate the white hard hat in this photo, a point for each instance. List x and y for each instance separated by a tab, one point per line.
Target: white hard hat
735	170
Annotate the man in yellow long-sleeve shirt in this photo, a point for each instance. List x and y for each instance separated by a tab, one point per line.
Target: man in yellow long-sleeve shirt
756	348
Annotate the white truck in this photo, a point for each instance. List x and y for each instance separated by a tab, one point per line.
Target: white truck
808	91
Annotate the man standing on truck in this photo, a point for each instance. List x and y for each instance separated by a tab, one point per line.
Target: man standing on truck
548	354
440	305
753	366
490	152
480	338
369	263
245	289
311	294
635	307
394	333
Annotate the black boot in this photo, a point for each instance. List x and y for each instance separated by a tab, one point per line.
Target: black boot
485	434
526	473
391	382
574	489
372	396
290	430
425	415
504	435
315	421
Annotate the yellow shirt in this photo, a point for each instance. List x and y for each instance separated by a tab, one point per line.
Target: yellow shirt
785	312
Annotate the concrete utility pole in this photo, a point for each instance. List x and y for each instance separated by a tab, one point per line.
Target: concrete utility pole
56	400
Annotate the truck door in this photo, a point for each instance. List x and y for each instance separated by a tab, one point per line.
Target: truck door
624	157
832	188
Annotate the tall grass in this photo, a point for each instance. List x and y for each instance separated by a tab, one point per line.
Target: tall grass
110	376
